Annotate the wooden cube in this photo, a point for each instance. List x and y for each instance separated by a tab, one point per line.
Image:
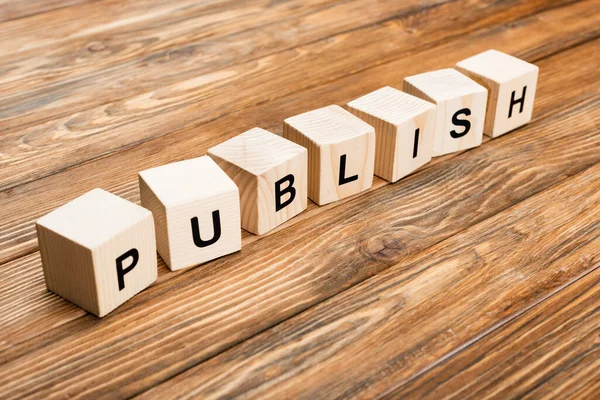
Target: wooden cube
341	152
270	173
460	111
511	83
196	209
98	251
404	129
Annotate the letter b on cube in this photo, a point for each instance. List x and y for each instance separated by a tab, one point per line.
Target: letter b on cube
196	210
98	251
270	173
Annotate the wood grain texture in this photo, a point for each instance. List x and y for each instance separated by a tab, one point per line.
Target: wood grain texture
149	87
562	84
15	9
346	249
526	357
388	328
190	99
26	203
105	92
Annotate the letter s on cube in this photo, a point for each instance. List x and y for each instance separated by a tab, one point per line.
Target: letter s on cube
271	174
196	209
98	251
461	104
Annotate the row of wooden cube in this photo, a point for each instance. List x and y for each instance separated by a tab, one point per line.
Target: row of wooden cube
99	250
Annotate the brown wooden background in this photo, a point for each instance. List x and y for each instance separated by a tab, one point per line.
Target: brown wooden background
475	277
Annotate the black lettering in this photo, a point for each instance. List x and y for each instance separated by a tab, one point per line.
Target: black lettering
343	179
216	219
461	122
514	101
135	255
416	144
279	192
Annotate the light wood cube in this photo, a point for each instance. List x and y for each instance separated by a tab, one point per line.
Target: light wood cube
196	209
404	129
98	251
511	83
270	173
460	111
341	152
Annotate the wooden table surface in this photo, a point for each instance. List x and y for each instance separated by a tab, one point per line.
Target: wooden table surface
475	277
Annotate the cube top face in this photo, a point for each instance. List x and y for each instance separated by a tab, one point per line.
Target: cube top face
329	125
445	84
391	105
93	218
186	181
256	151
497	66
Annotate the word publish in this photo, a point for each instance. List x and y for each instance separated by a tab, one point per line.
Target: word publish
99	250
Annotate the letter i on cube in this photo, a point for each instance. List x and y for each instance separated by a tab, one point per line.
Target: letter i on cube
404	128
270	173
460	111
98	251
511	82
196	210
341	152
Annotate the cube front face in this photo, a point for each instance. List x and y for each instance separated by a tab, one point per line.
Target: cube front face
203	230
341	152
459	124
196	208
271	174
414	144
404	129
125	265
345	168
512	85
461	108
98	251
514	105
281	194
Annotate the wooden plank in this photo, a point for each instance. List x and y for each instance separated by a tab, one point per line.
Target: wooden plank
26	203
550	351
173	53
394	325
193	316
24	324
196	96
16	9
65	24
165	32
